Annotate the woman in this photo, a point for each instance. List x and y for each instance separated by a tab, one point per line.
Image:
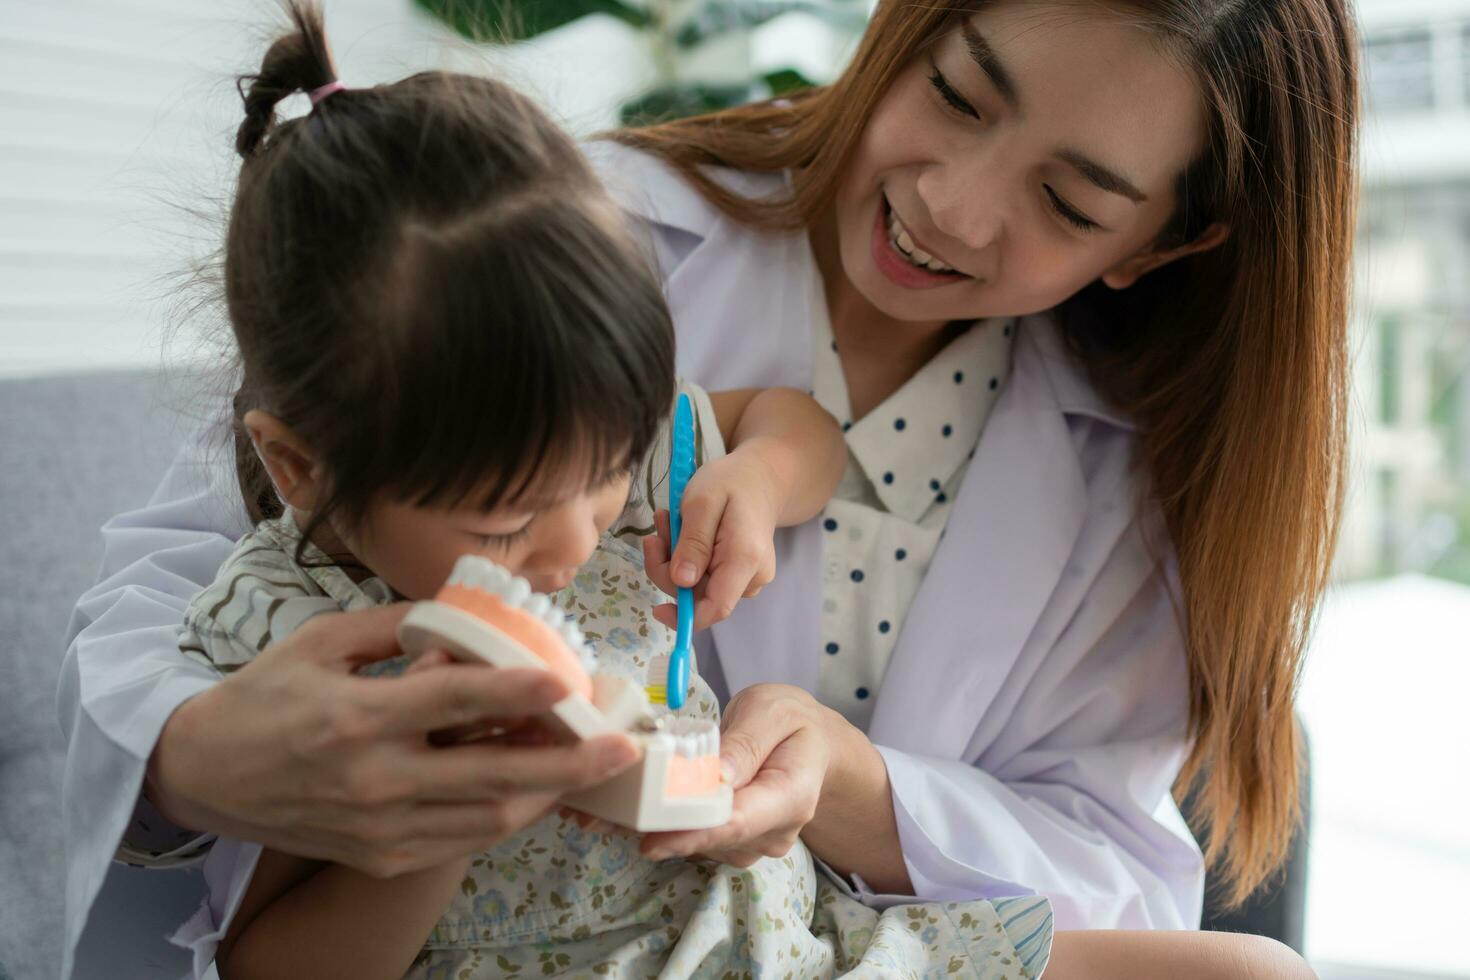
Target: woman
1076	276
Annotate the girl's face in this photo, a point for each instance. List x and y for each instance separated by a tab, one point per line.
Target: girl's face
1031	151
544	537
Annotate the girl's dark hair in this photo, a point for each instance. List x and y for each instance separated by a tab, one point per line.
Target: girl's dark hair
427	283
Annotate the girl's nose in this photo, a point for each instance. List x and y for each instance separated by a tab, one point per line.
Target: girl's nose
569	535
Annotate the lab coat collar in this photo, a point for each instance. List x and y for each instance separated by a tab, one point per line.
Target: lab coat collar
902	435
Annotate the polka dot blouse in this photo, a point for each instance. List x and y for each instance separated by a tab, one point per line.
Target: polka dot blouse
905	462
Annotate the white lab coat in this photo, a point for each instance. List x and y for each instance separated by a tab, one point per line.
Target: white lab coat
1033	714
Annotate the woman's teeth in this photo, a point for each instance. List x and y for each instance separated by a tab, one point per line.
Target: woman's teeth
904	243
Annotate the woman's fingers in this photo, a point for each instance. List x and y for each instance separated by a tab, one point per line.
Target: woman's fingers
457	694
767	817
760	719
775	755
348	640
489	771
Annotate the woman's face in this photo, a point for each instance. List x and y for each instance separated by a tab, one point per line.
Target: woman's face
1031	151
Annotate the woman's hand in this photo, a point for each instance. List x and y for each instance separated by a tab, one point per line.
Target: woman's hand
775	749
727	529
295	752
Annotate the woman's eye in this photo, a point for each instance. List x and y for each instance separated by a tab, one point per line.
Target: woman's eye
948	94
1068	213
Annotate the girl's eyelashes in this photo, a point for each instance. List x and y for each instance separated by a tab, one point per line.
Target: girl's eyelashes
948	94
1073	217
501	540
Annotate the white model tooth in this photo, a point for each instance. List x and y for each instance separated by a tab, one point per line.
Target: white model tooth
662	740
517	591
538	605
905	242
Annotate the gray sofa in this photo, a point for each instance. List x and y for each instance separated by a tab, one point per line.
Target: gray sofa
76	450
73	451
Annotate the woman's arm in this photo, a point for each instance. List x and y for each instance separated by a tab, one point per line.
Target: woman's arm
300	918
854	828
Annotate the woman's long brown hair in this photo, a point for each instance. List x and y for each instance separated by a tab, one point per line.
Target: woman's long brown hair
1233	361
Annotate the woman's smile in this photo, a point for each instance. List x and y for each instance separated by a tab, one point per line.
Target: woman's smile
902	258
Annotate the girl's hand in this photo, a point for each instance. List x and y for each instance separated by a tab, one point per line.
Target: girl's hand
729	518
775	749
295	752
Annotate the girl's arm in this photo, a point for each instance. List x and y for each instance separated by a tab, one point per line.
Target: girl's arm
302	918
791	435
785	457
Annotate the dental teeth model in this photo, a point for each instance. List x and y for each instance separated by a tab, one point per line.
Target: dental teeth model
483	613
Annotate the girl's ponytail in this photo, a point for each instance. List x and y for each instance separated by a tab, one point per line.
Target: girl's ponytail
296	62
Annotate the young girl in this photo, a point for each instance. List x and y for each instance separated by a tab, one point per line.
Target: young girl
449	346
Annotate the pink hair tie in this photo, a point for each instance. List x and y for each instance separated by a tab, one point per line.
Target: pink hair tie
317	94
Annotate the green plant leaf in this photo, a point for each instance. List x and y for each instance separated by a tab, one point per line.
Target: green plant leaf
679	101
786	81
504	21
717	17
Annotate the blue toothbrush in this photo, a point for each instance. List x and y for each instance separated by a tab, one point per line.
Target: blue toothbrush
681	468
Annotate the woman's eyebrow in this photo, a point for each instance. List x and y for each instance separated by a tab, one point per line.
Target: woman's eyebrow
1096	173
984	56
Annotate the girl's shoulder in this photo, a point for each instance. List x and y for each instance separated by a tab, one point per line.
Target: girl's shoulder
263	593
